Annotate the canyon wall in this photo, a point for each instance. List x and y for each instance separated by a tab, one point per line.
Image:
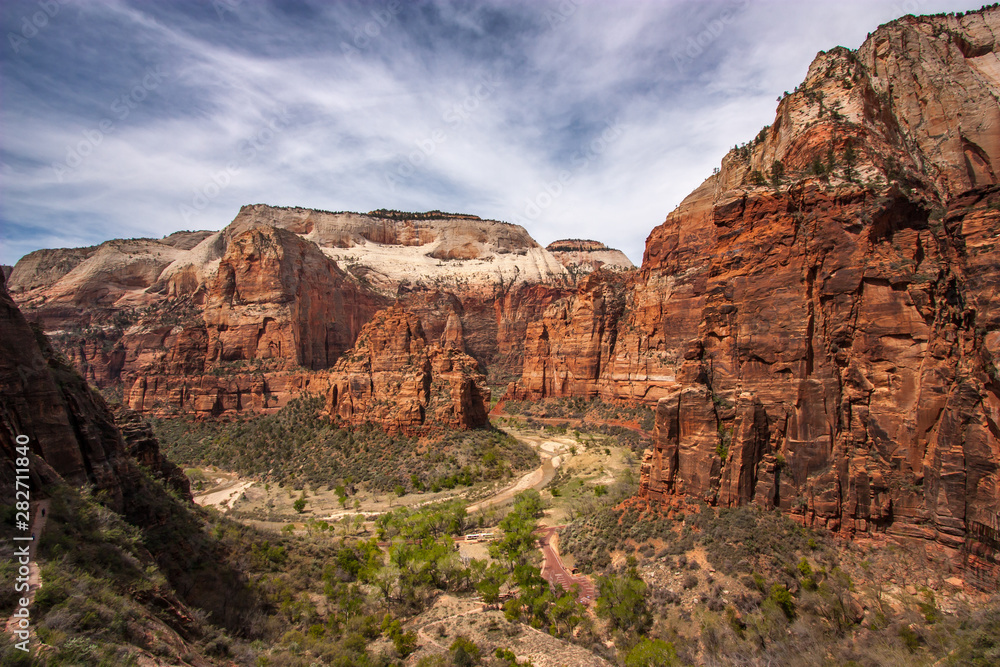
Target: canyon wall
72	434
245	319
817	324
396	378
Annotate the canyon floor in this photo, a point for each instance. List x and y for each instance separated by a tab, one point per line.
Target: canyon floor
584	461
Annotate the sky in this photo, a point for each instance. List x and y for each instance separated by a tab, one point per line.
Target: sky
573	118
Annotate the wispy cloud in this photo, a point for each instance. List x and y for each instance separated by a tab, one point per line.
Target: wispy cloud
187	110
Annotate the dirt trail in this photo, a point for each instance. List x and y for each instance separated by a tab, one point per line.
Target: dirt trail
40	510
224	496
550	452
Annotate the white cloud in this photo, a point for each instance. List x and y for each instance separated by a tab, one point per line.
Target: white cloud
406	122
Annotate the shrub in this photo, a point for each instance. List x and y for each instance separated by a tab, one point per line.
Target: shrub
783	598
651	653
464	652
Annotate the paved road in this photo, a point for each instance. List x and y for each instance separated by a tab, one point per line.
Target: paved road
556	573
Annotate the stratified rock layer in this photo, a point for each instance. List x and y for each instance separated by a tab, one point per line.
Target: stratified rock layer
817	324
275	309
68	428
397	379
581	256
237	320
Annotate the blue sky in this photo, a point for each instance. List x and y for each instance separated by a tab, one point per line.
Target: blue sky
574	118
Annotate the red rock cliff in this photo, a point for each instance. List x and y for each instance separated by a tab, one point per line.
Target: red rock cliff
71	432
395	378
817	324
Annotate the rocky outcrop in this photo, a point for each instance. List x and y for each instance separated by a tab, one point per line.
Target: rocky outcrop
567	350
70	430
276	308
581	256
233	321
817	324
396	378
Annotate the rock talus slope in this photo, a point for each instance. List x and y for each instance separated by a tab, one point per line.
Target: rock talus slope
817	324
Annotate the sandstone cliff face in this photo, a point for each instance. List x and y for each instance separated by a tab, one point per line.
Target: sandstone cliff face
582	256
568	348
236	320
275	309
820	334
72	433
397	379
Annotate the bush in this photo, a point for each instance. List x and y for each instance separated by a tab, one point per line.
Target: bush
651	653
464	652
783	598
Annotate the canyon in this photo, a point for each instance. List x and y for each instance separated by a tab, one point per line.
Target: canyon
245	319
817	326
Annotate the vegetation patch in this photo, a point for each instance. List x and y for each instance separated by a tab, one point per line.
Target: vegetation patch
298	446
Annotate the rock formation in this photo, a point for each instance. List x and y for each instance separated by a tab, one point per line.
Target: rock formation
210	323
71	432
817	324
397	379
581	256
275	309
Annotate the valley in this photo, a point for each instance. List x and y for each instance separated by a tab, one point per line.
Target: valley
426	439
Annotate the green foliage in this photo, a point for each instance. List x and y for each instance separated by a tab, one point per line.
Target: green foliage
508	657
622	600
850	159
777	172
783	599
464	652
405	643
297	445
518	541
652	653
979	638
300	503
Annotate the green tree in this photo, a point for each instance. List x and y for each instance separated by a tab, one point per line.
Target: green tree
777	172
518	541
651	653
783	598
850	159
622	600
464	652
300	504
